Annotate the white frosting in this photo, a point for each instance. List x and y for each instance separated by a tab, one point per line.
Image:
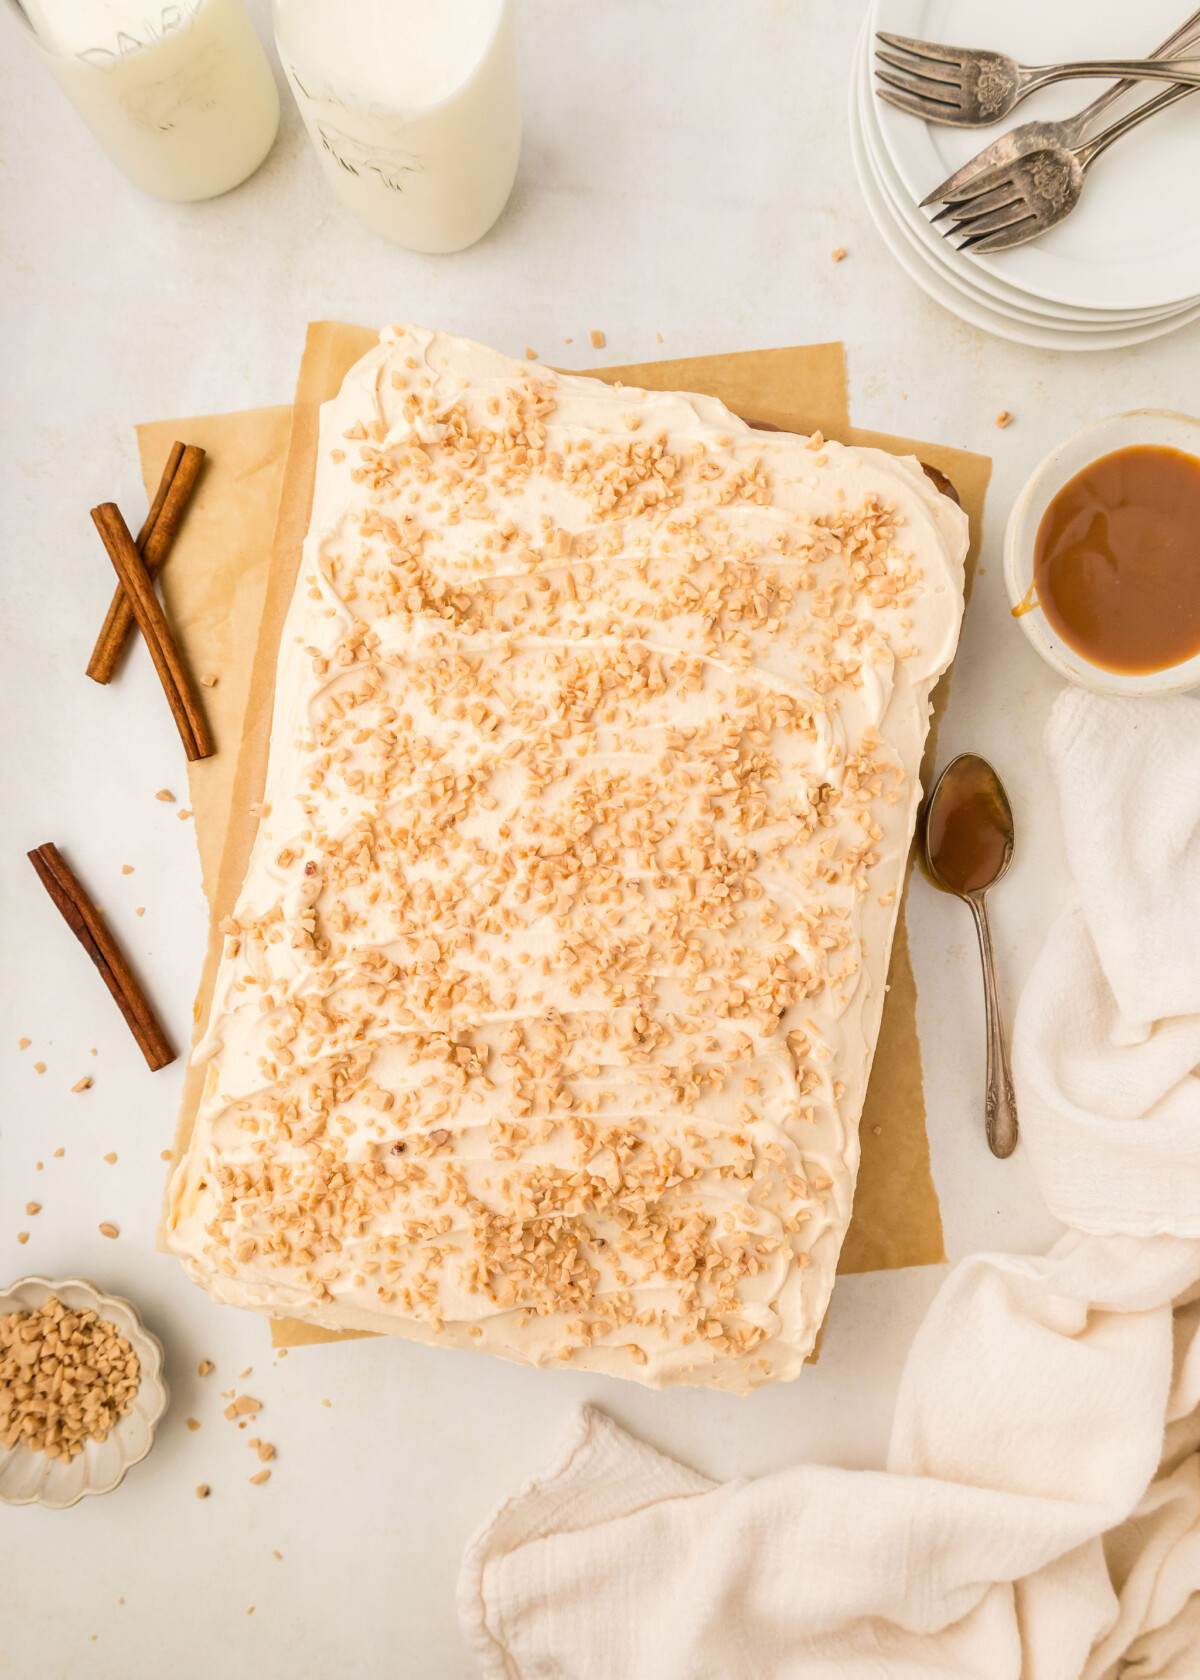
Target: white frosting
546	1014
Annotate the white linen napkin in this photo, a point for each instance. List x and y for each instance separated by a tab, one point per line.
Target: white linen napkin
1108	1032
1040	1515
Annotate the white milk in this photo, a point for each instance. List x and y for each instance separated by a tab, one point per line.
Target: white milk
413	108
181	97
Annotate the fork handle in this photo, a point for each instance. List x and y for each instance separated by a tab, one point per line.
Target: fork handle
1182	37
1088	153
1131	69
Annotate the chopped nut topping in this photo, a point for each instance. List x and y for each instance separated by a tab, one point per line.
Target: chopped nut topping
84	1084
205	1368
108	1230
1004	418
598	339
165	794
203	1491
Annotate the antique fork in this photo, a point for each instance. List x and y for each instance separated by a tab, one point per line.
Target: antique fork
968	87
1033	136
1042	189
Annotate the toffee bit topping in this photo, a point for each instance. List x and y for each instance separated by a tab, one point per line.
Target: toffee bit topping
66	1377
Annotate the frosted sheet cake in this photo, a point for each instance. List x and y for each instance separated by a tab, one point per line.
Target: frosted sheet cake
545	1015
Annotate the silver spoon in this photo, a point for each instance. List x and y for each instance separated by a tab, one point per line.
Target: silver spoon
966	846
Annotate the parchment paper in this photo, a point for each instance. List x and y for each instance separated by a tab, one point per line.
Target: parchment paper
228	585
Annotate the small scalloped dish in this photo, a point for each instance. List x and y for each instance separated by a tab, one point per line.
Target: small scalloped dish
28	1477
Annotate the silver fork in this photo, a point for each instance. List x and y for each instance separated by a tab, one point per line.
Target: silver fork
1033	136
969	87
1042	189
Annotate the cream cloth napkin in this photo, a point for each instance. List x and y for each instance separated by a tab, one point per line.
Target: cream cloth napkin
1040	1515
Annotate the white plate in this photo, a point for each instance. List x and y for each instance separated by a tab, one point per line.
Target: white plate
1025	311
933	281
1121	431
974	280
1134	241
29	1477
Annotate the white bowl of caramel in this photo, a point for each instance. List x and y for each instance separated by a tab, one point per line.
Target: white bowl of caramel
1102	555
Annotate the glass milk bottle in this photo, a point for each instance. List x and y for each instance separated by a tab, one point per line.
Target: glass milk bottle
181	97
413	108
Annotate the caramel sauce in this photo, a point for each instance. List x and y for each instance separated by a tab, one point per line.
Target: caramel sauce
968	830
1027	602
1116	563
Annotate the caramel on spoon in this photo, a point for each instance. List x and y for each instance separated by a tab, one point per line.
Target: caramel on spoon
966	846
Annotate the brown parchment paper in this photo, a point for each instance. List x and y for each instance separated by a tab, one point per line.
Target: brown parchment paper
228	587
214	593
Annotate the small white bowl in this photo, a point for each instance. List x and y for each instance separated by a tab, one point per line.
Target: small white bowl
28	1477
1142	427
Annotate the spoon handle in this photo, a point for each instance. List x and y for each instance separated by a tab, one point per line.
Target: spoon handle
1001	1104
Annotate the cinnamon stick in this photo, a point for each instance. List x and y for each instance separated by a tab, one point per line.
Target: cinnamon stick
87	924
151	621
153	543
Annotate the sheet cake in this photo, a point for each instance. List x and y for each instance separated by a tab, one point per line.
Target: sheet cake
545	1015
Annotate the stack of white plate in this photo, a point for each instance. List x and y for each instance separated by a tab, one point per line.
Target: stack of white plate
1125	265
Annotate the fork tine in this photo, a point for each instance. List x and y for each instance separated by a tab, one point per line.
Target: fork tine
974	177
923	108
1019	234
932	50
923	69
916	89
1005	216
1000	196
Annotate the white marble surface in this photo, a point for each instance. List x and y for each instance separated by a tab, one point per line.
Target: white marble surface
686	170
